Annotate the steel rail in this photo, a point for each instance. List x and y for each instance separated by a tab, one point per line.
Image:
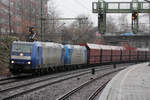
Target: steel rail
92	97
64	97
42	86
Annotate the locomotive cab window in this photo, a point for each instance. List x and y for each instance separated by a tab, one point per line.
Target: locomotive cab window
25	48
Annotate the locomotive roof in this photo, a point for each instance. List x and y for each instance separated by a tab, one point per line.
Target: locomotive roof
74	46
142	49
51	44
106	47
22	42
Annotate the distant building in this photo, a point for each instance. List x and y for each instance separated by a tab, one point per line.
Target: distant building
21	14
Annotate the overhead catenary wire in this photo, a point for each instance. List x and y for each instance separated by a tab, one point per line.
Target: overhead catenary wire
85	5
69	5
81	4
147	1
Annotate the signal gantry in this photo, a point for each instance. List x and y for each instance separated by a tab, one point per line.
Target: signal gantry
134	7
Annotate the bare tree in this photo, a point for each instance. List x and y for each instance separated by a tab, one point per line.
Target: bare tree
111	25
144	28
124	23
51	23
30	13
80	31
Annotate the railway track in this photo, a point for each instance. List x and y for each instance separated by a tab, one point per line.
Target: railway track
23	78
47	83
10	81
66	96
99	90
13	79
3	79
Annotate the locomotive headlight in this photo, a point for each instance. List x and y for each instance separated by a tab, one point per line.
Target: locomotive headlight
12	62
28	62
21	54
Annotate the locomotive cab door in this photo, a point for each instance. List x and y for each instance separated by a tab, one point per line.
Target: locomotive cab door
39	55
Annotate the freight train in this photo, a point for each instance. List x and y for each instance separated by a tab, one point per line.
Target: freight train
41	57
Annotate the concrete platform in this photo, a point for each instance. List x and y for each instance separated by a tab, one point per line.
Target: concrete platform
132	83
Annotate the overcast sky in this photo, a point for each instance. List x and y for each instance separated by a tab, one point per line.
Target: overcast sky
73	8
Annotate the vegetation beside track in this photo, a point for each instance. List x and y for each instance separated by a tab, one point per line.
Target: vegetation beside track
5	42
